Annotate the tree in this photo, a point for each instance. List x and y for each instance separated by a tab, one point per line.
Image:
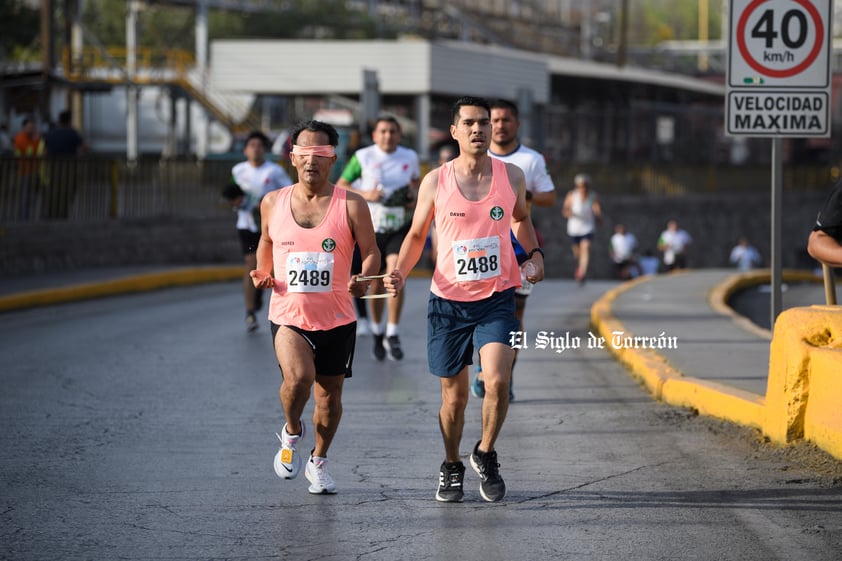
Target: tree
654	21
19	31
162	26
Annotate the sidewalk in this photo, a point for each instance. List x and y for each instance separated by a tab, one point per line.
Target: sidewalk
718	361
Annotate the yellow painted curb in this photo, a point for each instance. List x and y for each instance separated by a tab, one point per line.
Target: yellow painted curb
668	384
134	283
651	369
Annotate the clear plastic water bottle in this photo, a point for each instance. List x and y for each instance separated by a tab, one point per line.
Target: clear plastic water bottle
528	269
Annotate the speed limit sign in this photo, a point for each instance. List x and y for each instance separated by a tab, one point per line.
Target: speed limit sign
779	68
780	43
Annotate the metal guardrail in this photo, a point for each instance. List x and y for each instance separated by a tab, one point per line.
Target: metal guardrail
100	188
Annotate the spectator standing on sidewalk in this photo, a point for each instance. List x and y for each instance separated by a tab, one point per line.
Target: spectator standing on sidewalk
649	264
255	178
307	242
388	177
622	252
744	255
62	145
7	148
476	201
28	148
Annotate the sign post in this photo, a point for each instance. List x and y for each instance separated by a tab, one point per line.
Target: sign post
779	86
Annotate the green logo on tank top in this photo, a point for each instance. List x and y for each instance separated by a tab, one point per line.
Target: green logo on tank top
328	245
497	213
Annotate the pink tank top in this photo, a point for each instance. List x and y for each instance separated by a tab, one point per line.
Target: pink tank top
475	257
312	266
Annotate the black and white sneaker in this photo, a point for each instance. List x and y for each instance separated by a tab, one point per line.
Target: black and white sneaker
491	487
378	351
393	345
451	476
251	322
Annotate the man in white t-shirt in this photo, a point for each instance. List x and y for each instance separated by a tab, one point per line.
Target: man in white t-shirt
673	242
622	250
387	175
250	181
540	191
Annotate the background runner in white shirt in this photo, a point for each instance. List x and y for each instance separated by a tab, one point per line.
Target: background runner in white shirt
389	175
255	178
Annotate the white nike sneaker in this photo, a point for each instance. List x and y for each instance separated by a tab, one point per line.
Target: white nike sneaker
288	460
321	483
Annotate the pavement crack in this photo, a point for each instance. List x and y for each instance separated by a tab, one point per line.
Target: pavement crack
590	482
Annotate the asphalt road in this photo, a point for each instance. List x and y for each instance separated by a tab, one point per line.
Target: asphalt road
142	427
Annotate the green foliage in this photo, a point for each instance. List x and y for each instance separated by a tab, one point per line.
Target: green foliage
653	21
19	31
162	26
106	19
305	19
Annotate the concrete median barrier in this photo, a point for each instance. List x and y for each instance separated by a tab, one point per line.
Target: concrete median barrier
805	378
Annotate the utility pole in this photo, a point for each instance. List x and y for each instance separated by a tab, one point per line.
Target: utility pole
131	88
73	17
703	35
203	123
47	58
585	32
623	33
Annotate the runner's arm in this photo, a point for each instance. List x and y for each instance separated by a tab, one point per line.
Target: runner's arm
360	219
522	223
825	248
413	243
263	275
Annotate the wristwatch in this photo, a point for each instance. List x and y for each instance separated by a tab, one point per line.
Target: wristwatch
536	250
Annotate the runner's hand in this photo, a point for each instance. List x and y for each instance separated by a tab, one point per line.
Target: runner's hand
356	287
261	279
394	282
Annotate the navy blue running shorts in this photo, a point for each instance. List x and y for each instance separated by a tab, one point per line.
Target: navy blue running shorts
455	328
576	240
333	349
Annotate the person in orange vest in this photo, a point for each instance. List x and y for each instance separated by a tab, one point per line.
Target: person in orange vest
28	148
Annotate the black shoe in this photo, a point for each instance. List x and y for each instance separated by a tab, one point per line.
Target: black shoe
451	476
491	487
251	322
394	346
378	351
